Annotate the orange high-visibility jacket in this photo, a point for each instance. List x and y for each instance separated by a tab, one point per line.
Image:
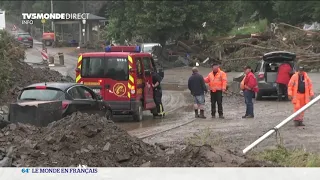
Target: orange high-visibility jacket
293	87
217	82
242	83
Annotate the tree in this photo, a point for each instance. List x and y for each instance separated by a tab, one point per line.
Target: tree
162	20
264	8
295	12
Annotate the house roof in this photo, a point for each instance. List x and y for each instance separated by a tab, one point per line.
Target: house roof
91	17
95	17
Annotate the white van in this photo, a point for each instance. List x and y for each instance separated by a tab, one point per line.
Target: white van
147	48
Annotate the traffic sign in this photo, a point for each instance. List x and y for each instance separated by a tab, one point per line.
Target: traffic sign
43	21
14	28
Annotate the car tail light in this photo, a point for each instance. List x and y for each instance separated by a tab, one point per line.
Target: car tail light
261	75
20	38
65	104
41	87
30	38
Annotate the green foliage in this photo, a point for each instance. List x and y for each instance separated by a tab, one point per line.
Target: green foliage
249	28
159	21
295	11
10	51
290	158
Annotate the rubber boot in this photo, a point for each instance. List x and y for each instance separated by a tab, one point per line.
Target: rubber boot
196	113
202	114
301	123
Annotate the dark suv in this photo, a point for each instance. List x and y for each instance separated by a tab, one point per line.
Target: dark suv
266	71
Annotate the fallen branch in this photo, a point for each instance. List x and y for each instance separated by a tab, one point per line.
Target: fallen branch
285	24
245	58
255	46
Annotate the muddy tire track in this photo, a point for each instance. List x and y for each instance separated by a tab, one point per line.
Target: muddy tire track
174	103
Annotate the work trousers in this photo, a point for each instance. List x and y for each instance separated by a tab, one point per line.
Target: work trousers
248	96
300	102
216	98
282	89
157	96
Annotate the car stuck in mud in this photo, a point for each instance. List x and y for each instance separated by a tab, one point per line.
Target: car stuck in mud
61	100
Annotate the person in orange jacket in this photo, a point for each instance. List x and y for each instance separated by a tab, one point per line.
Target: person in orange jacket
300	92
217	81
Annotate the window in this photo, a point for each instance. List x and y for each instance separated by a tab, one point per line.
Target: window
80	92
42	94
92	67
148	49
73	92
272	67
85	93
110	67
147	63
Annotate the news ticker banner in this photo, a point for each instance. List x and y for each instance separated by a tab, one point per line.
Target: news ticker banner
88	173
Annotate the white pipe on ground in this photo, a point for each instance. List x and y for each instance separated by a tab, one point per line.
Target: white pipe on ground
266	135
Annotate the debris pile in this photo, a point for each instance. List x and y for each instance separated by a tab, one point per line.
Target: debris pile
78	139
236	51
24	74
94	141
15	73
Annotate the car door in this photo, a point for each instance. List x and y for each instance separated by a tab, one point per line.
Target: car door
148	89
84	100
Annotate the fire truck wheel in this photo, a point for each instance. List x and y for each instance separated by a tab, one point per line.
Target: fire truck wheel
138	115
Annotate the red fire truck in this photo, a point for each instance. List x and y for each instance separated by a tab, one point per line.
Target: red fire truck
122	75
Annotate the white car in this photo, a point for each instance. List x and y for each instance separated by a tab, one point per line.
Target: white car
147	48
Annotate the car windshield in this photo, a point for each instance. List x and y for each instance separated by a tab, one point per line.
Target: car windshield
105	67
41	94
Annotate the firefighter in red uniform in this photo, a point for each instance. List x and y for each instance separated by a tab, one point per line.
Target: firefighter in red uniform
283	78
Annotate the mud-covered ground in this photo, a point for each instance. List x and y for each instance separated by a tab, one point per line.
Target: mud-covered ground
234	132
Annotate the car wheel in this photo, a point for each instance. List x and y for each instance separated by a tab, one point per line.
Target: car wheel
138	115
108	114
258	96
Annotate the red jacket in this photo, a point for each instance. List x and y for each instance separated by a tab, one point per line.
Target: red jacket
284	74
251	81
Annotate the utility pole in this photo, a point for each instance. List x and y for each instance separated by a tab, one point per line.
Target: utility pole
52	25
